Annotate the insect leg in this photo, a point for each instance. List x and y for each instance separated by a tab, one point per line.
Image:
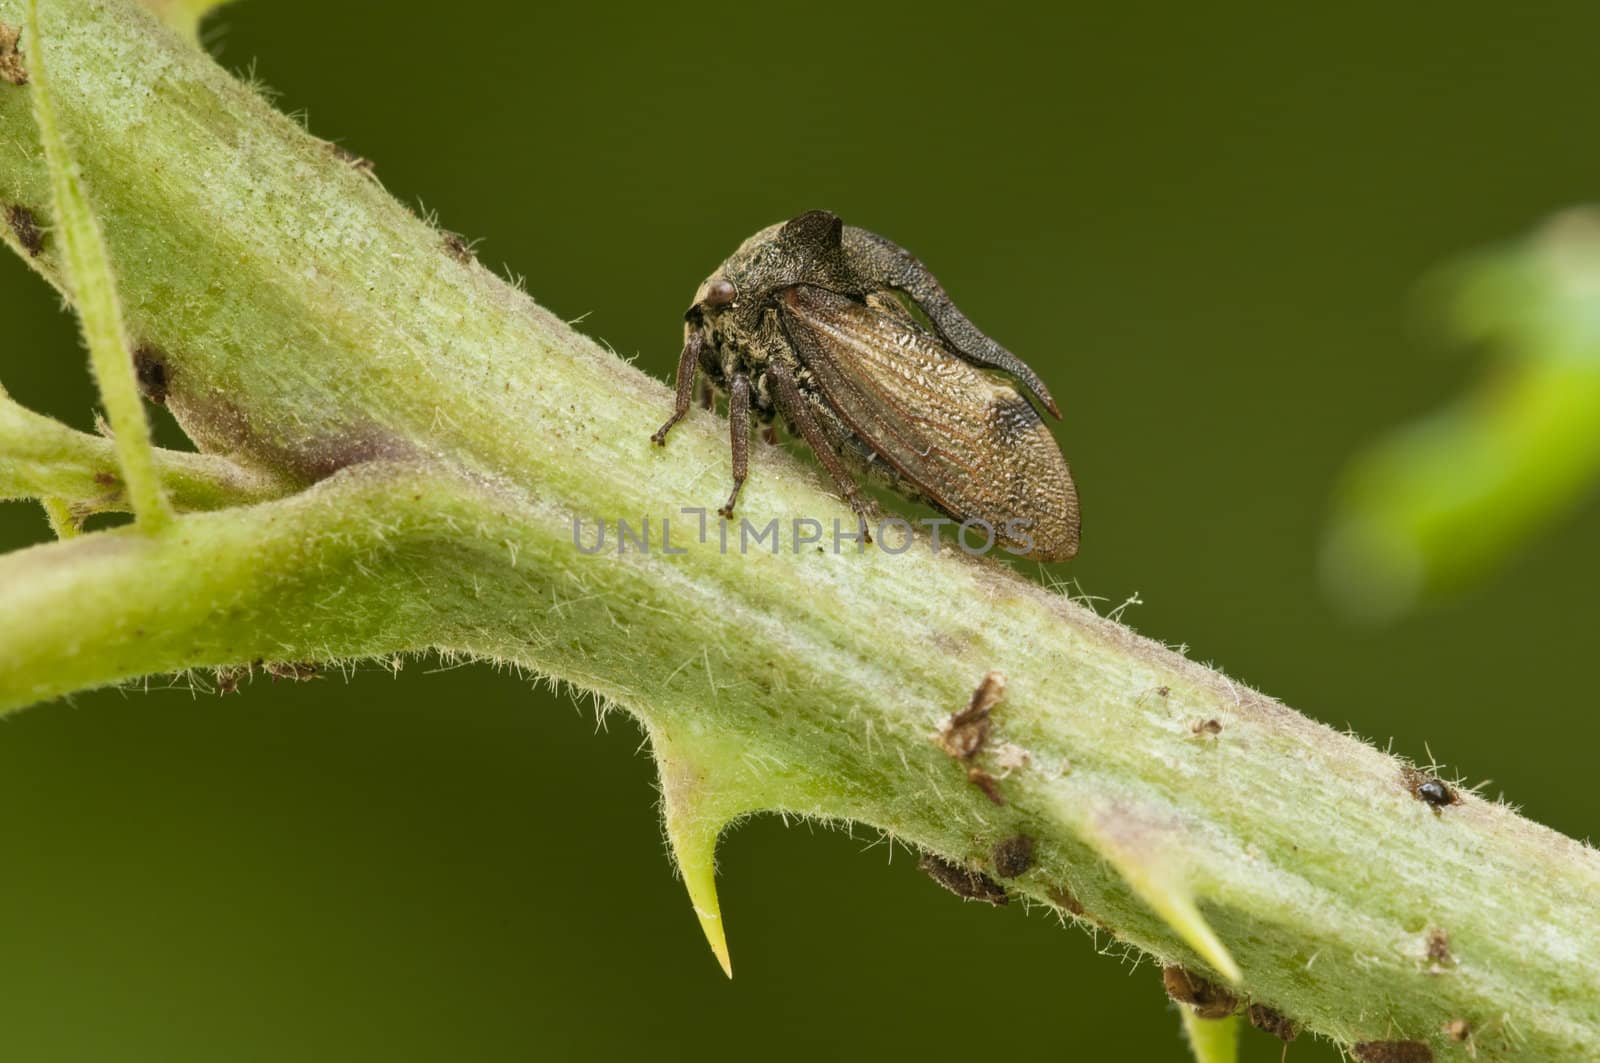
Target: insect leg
792	403
739	426
688	371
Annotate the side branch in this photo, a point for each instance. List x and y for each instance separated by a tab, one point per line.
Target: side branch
306	578
80	474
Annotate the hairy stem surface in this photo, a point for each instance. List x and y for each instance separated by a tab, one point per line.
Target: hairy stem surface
441	433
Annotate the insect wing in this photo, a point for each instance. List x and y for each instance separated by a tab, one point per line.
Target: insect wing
972	444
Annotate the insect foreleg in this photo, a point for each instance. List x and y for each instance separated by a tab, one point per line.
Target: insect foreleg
688	371
739	428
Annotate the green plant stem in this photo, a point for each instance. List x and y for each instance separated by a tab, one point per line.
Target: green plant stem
446	432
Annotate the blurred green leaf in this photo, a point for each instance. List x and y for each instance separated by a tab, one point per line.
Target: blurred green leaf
1444	502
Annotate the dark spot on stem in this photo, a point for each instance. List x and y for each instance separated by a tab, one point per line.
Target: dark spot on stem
11	68
1458	1030
26	229
105	479
986	782
964	733
1392	1052
1439	956
1209	1000
1014	856
216	423
1273	1022
456	247
963	882
150	366
1212	726
1429	789
1062	897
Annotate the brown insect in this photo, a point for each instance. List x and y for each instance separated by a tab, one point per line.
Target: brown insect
1392	1052
857	347
962	881
1273	1022
1209	1000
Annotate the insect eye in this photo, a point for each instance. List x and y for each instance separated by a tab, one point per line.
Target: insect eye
721	292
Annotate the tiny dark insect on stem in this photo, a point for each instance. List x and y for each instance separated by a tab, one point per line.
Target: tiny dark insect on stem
1273	1022
1209	1000
1392	1052
1429	789
963	882
858	349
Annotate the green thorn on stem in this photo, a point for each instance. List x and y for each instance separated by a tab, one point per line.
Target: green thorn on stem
696	854
1136	849
695	814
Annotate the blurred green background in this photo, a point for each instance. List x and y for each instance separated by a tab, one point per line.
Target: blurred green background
1203	228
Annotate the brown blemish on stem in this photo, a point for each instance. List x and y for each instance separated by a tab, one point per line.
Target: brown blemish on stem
11	68
456	246
963	882
1428	788
1202	728
1458	1030
1209	1000
1014	856
1392	1052
150	367
1439	955
1062	897
25	227
219	426
986	782
964	733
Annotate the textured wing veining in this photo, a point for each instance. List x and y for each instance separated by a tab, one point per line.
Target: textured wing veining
972	444
885	262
